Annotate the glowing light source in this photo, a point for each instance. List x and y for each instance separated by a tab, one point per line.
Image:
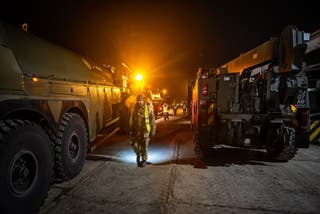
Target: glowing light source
293	108
155	155
139	77
34	79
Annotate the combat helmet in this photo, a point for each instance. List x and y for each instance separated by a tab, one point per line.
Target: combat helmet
140	97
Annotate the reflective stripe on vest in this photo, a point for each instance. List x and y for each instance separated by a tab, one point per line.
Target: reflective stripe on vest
146	118
130	119
165	108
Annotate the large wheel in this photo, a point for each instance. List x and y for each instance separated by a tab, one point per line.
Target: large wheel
201	149
237	135
280	143
197	149
70	146
26	166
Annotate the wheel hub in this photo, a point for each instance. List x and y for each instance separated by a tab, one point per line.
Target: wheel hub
23	172
74	146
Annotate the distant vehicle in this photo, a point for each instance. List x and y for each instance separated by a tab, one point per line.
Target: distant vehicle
54	104
157	101
160	111
258	99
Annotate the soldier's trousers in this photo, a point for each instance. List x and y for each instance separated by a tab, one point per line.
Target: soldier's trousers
140	146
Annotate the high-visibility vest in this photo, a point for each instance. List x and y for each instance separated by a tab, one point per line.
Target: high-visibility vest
165	108
146	118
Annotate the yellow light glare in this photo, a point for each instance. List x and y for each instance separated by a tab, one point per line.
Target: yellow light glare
293	108
34	79
138	77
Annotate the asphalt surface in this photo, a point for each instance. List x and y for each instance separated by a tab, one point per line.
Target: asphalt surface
234	180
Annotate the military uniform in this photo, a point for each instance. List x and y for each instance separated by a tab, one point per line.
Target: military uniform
142	126
166	111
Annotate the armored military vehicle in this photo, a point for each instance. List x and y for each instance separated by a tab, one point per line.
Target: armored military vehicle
53	105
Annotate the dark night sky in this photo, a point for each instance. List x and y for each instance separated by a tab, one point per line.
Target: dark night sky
168	40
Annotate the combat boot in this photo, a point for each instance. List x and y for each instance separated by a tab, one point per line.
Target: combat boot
138	161
143	163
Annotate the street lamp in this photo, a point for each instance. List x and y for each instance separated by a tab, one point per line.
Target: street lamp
164	91
139	77
139	82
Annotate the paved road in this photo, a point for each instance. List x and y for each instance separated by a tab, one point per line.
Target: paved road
233	181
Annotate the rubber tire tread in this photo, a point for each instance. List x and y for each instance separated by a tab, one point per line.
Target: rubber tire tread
65	168
15	136
284	152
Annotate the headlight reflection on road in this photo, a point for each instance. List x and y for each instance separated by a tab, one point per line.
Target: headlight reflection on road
155	155
128	156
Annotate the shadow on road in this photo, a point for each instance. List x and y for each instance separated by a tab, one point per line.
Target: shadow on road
226	156
229	156
172	145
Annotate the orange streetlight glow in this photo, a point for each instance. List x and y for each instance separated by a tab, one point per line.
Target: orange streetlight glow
139	77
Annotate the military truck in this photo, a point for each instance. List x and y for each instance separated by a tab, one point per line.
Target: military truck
54	104
312	58
157	101
259	99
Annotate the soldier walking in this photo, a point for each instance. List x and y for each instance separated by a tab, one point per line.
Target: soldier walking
142	127
166	111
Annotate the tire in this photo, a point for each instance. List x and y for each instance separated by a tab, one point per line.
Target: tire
237	135
26	164
200	150
280	143
70	146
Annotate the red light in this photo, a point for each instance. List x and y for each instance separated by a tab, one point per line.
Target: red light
205	89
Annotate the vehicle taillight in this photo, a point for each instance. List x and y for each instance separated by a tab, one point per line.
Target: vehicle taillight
204	89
